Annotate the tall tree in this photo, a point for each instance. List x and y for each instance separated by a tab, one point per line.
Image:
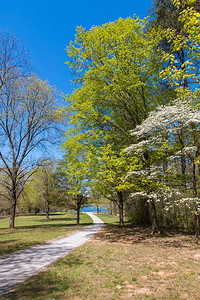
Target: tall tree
116	67
172	132
26	122
77	166
27	107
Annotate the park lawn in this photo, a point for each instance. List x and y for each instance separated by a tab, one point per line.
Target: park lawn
121	264
108	219
34	229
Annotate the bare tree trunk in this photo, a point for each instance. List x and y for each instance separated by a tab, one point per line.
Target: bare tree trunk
14	201
121	209
12	214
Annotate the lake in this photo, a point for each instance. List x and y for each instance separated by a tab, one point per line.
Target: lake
93	209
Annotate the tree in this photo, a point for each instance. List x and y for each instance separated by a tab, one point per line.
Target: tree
27	119
77	166
111	177
172	132
47	188
116	67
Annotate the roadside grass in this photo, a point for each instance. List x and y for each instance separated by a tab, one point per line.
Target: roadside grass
113	220
34	229
108	219
119	263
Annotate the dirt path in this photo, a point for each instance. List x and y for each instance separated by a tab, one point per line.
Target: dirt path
19	266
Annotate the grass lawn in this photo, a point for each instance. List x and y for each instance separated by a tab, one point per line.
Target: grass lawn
121	264
108	219
32	230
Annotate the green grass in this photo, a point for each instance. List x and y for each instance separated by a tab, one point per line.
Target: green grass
117	263
120	264
32	230
112	220
108	219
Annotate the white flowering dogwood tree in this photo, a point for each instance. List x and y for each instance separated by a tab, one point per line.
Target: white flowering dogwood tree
171	137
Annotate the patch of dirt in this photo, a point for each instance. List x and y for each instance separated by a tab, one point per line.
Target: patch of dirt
197	256
164	274
143	291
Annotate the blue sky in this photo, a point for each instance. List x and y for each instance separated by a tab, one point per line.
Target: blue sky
45	28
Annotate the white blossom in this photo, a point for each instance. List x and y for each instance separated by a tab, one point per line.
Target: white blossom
137	148
169	118
141	173
137	194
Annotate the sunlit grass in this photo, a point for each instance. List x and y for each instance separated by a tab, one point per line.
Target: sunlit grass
108	219
121	264
112	219
32	230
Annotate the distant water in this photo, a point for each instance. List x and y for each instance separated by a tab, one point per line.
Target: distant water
93	209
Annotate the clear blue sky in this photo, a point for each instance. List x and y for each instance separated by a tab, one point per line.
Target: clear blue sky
45	28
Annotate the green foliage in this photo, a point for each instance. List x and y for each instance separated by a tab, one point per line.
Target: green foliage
183	70
117	68
47	187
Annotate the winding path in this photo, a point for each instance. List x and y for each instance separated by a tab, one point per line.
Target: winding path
17	267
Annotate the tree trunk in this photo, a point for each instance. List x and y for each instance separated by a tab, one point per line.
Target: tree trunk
12	215
47	212
197	226
14	202
79	199
144	212
115	209
153	217
195	196
78	216
121	209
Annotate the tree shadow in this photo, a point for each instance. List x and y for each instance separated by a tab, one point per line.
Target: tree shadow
40	286
45	224
49	225
57	220
10	246
134	235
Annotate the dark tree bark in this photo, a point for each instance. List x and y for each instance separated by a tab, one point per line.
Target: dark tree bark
78	216
121	209
79	201
15	189
12	214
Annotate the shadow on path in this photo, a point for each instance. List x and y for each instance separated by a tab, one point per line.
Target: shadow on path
19	266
